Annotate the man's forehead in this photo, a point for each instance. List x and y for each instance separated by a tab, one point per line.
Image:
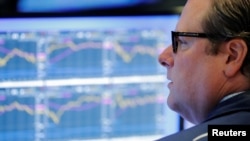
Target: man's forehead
192	14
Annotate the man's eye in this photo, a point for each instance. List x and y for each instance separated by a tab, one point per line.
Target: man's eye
181	42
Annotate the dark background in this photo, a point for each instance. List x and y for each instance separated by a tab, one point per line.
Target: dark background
9	8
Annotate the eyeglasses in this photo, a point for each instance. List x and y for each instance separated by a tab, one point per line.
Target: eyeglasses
175	36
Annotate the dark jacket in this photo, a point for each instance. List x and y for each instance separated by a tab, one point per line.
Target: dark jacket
233	111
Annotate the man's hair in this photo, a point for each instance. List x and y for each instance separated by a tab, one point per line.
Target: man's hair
229	18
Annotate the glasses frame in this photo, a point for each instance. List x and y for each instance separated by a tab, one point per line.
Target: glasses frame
175	36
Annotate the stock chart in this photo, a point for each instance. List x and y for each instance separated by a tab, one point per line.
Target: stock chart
17	56
81	112
83	84
67	54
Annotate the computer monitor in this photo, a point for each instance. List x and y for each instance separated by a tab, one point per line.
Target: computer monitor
26	6
83	78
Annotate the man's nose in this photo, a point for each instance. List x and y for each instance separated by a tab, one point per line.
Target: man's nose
166	57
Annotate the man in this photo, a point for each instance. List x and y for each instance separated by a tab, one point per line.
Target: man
208	65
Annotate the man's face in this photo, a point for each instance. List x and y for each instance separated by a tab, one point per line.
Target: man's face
194	74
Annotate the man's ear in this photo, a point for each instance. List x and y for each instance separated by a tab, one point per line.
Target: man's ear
236	50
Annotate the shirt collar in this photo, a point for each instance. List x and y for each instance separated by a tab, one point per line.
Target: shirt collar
230	96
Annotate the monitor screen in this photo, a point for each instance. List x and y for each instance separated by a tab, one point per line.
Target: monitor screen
78	78
25	6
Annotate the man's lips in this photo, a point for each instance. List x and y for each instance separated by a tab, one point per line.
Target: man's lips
170	83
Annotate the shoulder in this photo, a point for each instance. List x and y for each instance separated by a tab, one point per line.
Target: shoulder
235	111
200	132
196	133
